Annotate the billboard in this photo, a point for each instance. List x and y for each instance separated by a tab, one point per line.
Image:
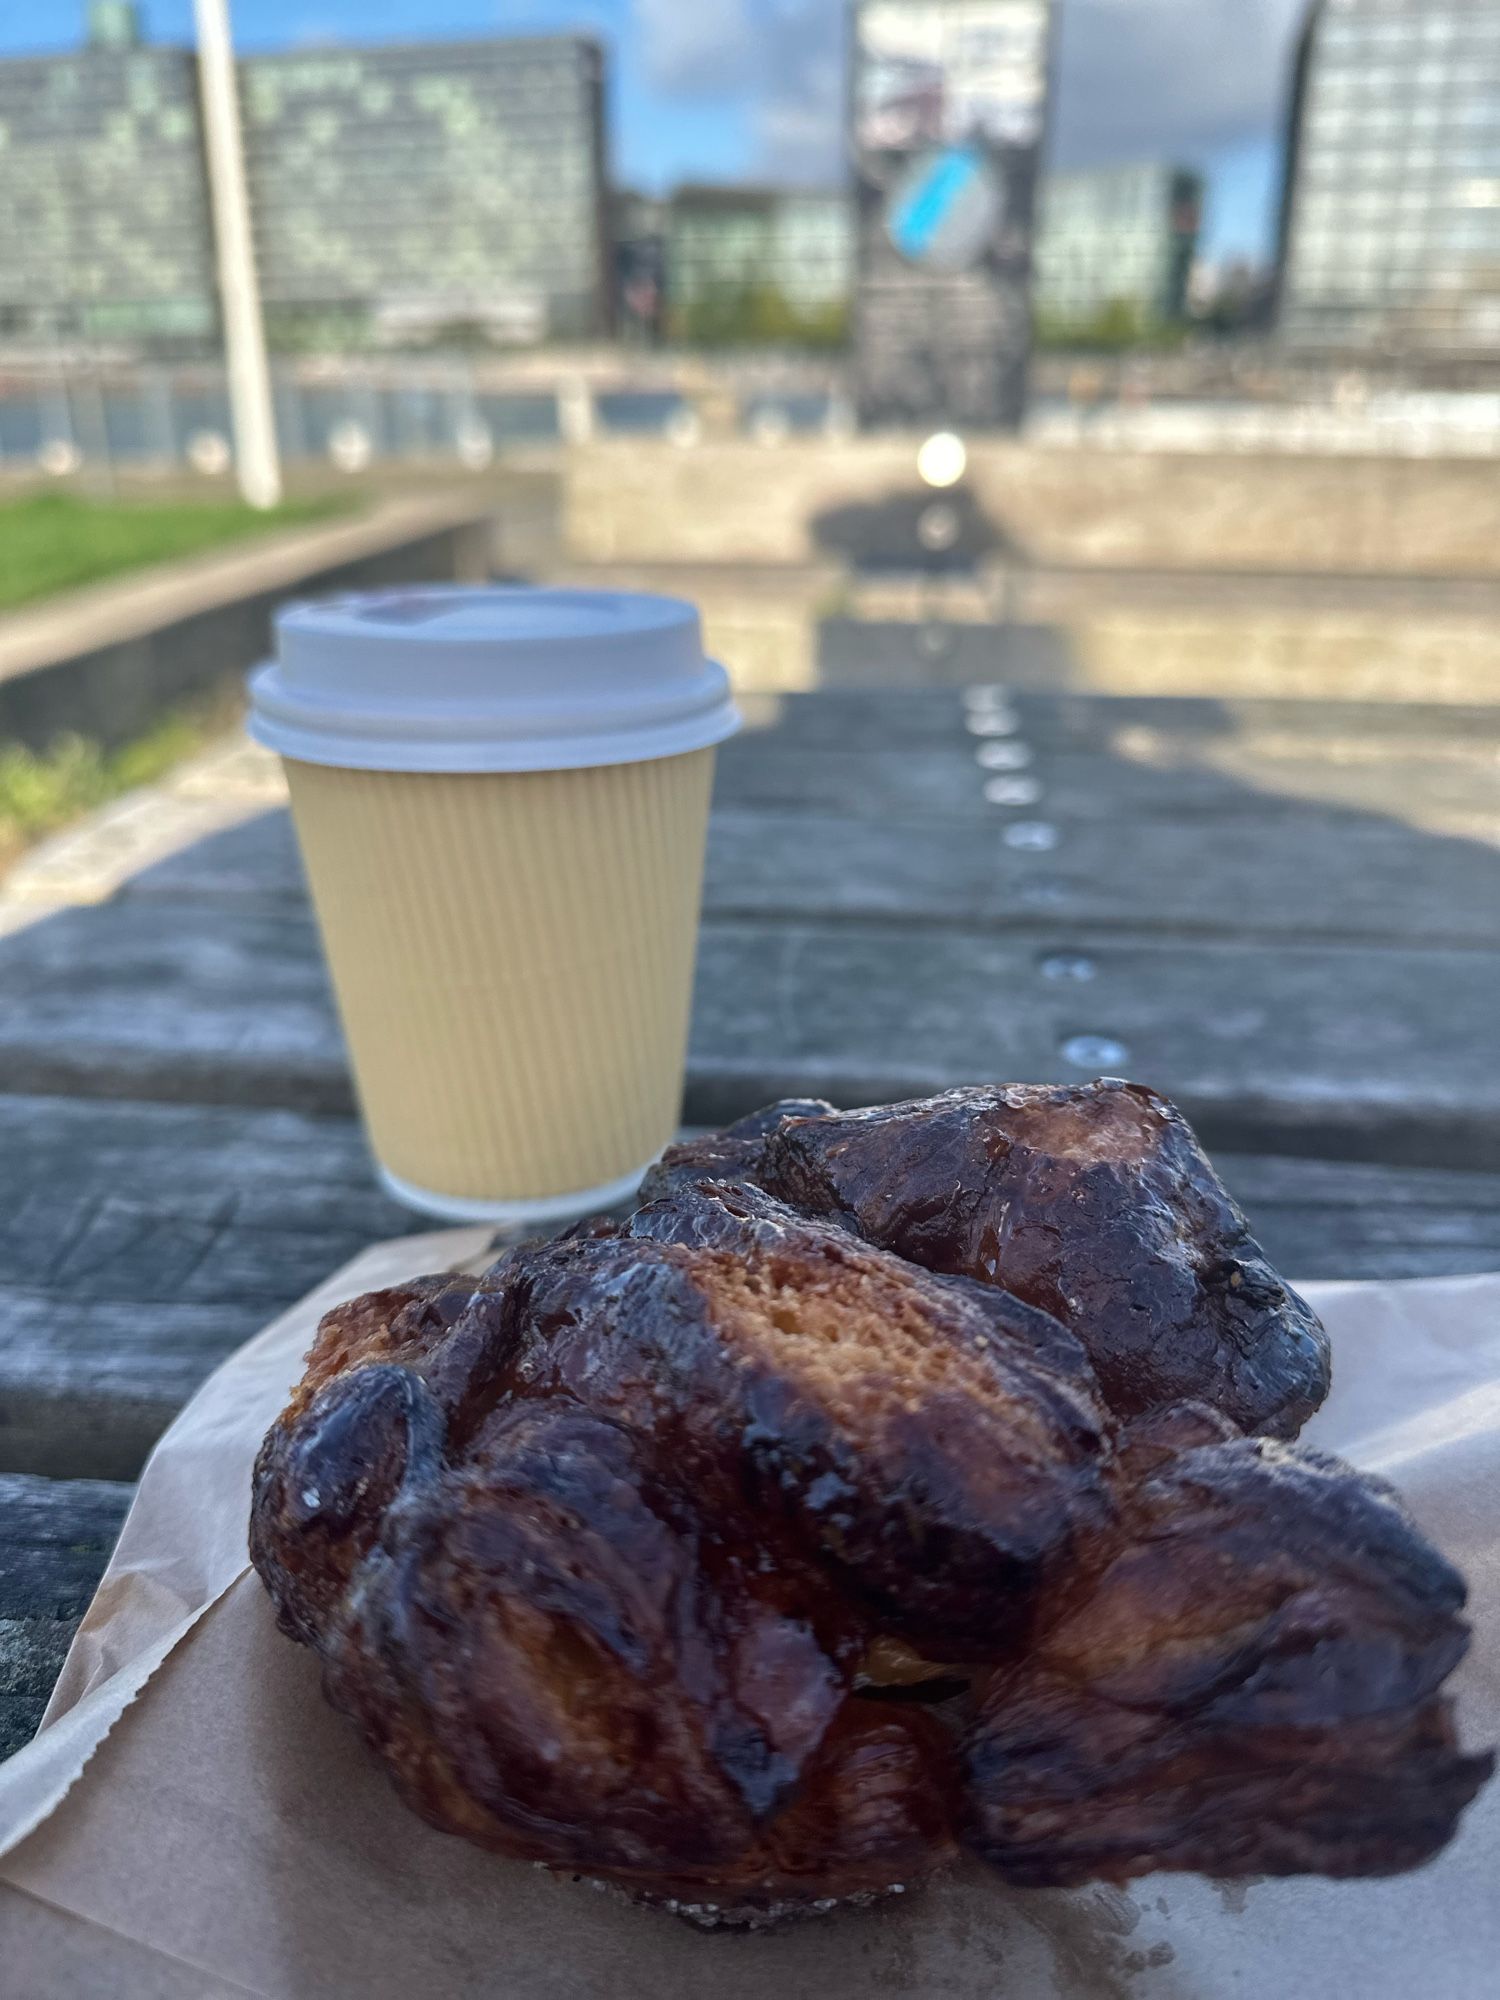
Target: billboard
948	113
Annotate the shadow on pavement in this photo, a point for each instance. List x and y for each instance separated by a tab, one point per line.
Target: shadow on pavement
913	530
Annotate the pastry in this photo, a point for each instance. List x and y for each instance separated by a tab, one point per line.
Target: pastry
732	1559
1093	1201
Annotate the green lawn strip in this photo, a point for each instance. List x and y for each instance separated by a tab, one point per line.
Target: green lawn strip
43	791
57	541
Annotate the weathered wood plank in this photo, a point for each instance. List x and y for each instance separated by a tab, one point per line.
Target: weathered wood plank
865	654
1075	785
886	752
1381	727
1349	1219
894	718
872	719
143	1242
859	653
139	1244
1337	1050
1346	1050
183	1205
1321	875
88	1388
150	1000
842	806
55	1538
1312	875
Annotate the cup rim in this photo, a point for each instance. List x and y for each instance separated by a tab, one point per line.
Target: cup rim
459	678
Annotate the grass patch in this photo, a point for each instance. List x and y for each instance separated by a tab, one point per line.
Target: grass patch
57	541
43	791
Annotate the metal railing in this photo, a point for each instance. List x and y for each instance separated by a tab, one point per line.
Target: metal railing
74	417
1392	424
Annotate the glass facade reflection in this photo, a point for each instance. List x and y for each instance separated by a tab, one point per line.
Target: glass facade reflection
104	227
400	192
733	249
1391	221
1112	237
413	190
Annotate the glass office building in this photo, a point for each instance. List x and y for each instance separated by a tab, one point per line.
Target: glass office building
104	224
729	249
1390	240
399	193
412	191
1116	238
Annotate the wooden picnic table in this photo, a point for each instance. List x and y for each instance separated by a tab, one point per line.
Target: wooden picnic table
1285	914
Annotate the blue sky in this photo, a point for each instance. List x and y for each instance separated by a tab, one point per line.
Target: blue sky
718	89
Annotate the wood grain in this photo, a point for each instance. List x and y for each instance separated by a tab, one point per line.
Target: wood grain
143	1242
1356	1051
1308	873
55	1538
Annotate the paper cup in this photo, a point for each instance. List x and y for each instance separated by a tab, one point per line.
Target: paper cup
502	803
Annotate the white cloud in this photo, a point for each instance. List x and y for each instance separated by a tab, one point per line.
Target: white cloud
1148	78
782	58
548	17
698	48
800	120
1135	78
798	143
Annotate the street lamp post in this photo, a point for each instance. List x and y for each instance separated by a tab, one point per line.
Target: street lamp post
250	404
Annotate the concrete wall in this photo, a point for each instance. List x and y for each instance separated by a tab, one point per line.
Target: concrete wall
644	501
213	625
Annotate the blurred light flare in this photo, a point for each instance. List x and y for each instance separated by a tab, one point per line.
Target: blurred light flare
943	460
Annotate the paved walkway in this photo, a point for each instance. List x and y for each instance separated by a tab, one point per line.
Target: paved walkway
230	782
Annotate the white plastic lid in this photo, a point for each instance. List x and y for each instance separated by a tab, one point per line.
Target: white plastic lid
505	679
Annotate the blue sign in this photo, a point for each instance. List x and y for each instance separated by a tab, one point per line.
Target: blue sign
945	210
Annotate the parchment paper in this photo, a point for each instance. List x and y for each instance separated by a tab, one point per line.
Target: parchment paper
193	1820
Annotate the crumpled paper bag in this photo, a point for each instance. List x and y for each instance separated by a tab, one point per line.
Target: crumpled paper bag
193	1820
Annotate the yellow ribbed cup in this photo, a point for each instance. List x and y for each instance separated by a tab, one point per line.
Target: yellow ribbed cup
512	956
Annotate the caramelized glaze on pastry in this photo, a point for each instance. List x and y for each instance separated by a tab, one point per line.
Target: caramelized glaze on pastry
845	1509
1094	1202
